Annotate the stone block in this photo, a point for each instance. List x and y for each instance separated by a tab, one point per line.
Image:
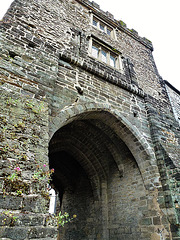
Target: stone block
35	203
14	233
156	221
146	221
42	232
10	202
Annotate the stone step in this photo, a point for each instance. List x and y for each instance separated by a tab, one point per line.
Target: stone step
16	225
24	233
22	219
16	218
32	203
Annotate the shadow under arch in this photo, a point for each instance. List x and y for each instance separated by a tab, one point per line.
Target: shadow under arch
130	135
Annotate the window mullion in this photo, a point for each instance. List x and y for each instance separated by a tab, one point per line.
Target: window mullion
98	25
108	58
105	29
100	54
113	34
90	46
120	66
91	18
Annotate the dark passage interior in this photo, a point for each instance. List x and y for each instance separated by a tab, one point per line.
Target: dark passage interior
75	192
97	179
69	174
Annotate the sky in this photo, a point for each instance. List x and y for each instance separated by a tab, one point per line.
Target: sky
157	20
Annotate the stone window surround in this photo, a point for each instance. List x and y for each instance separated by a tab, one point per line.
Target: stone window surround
109	30
110	54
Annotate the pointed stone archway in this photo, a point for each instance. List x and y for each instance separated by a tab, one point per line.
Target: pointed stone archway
102	173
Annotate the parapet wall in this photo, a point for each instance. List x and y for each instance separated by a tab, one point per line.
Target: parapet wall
117	23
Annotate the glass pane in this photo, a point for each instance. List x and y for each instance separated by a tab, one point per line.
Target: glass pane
102	27
112	61
104	56
95	23
108	31
94	51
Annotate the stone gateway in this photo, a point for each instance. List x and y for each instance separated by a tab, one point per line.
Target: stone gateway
84	110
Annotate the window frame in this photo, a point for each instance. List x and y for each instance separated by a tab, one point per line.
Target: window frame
93	43
108	29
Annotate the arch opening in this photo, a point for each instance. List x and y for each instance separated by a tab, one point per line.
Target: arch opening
97	179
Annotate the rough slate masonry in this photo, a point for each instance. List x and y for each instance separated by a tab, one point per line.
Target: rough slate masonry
81	94
174	96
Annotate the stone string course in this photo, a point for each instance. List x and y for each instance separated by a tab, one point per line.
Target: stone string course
110	135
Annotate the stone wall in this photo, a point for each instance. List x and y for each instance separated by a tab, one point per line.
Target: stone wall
174	96
24	142
110	134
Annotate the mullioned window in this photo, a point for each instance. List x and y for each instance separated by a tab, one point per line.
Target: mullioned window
103	53
102	26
